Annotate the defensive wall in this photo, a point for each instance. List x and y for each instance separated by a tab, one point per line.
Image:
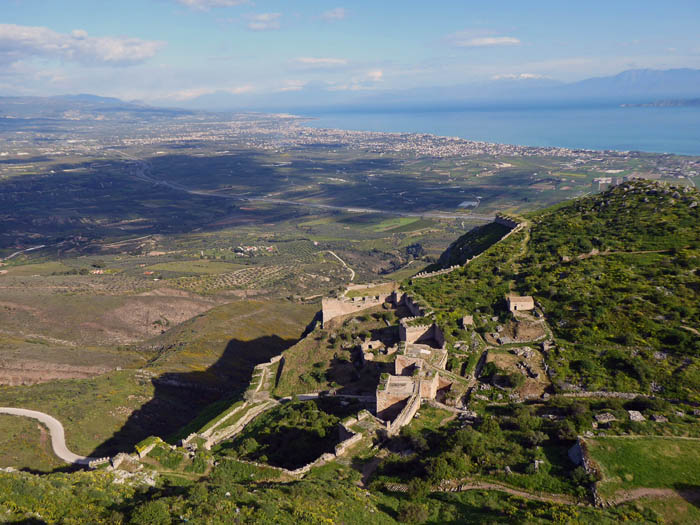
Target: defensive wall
416	309
424	275
420	333
340	449
505	220
579	455
392	391
406	414
332	307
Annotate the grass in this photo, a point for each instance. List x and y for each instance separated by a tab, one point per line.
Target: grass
429	418
46	268
91	410
25	444
393	223
375	290
650	462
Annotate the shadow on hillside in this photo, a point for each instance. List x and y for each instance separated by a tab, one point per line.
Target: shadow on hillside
180	397
690	493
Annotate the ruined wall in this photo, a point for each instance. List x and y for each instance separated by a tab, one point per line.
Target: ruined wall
415	309
416	334
406	415
387	400
402	363
411	334
506	221
332	308
429	387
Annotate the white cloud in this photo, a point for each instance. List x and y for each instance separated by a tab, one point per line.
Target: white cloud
334	14
20	42
362	82
518	76
189	94
293	85
486	41
375	75
264	21
205	5
321	62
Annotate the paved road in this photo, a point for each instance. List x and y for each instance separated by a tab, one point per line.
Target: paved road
23	251
58	439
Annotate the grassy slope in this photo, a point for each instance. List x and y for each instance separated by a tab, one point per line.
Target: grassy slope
472	243
611	312
230	336
650	462
24	444
217	349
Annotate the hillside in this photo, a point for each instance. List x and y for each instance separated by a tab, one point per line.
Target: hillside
609	352
471	244
616	275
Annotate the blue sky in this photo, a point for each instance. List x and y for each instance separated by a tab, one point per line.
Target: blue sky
176	50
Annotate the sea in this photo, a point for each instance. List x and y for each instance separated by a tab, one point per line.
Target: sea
606	127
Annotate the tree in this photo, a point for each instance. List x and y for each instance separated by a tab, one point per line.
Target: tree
412	513
151	513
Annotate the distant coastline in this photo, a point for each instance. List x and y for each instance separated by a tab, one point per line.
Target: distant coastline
649	129
682	103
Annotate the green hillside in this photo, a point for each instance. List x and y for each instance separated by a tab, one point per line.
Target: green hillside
617	277
471	244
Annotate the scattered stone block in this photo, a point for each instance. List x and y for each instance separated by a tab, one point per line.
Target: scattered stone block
605	417
636	415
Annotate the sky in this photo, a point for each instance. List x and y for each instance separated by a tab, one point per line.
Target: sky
177	50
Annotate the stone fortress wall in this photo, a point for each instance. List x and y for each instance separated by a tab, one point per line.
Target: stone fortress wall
505	220
419	333
332	307
406	414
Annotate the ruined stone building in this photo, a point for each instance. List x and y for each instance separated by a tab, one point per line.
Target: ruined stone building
520	303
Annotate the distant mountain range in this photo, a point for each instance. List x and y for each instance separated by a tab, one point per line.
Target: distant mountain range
82	107
637	87
630	87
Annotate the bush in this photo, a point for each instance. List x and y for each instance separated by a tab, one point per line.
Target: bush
151	513
412	513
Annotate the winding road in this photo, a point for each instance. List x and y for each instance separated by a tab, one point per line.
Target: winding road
58	436
352	272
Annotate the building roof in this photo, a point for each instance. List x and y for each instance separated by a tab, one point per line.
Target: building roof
522	302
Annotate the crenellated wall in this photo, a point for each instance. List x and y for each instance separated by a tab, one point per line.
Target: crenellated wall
415	309
506	221
418	333
332	307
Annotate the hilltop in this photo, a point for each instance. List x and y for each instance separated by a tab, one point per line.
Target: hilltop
615	274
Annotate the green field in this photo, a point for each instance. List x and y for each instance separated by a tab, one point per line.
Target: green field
649	462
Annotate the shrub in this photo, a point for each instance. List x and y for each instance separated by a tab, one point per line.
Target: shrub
151	513
412	513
